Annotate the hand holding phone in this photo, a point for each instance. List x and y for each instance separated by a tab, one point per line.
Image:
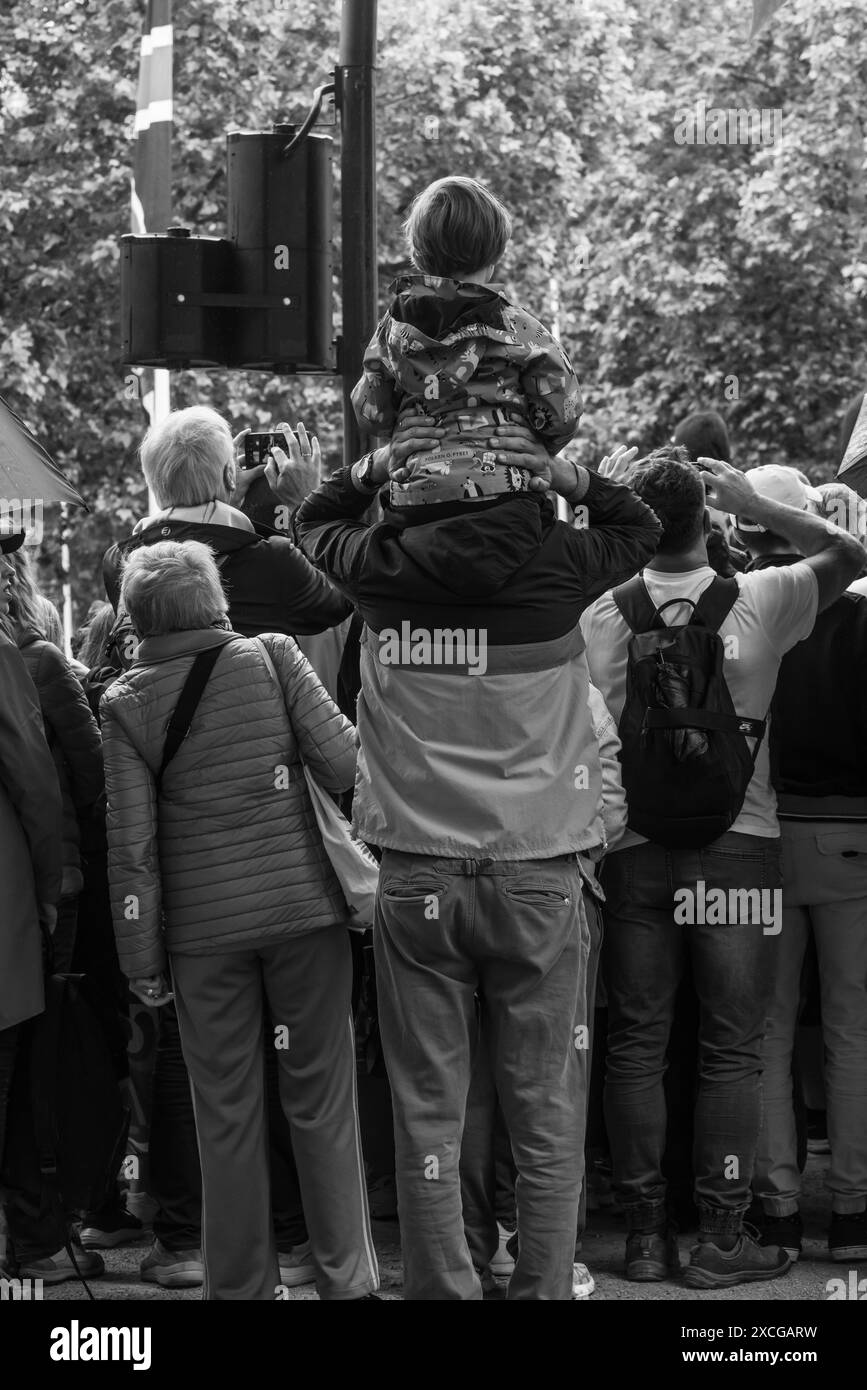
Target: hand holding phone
258	446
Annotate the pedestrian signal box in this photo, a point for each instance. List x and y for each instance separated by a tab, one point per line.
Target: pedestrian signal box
260	298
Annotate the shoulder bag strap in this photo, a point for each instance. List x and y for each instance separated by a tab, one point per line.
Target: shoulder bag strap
188	700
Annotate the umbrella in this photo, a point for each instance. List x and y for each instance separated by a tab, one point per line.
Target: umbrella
672	688
27	471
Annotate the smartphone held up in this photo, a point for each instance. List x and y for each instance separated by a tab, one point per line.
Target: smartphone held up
258	446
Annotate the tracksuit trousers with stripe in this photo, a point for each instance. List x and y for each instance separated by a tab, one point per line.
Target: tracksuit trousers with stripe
220	1001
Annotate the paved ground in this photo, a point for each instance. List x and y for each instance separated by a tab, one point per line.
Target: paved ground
603	1253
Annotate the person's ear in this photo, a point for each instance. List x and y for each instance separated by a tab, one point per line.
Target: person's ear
707	524
229	478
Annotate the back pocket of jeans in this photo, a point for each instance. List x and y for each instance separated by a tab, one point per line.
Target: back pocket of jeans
398	891
845	844
536	894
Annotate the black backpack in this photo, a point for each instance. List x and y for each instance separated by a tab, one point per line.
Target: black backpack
685	758
67	1130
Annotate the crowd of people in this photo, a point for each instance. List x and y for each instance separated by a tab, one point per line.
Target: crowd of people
602	730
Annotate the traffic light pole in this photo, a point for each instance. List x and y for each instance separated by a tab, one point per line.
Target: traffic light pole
356	102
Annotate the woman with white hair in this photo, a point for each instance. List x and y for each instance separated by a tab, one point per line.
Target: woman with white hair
191	463
216	866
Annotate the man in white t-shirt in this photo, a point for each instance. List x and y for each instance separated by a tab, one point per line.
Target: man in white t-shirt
650	930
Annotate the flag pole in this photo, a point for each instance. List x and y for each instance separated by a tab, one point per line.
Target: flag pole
564	511
65	581
162	408
152	165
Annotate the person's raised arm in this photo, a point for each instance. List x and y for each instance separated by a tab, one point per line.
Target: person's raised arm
834	556
328	526
617	533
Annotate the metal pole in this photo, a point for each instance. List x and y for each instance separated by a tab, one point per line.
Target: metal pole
66	581
356	97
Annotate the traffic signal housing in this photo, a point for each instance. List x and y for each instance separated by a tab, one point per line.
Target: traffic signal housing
260	298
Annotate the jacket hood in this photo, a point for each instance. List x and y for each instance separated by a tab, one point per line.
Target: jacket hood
477	553
435	307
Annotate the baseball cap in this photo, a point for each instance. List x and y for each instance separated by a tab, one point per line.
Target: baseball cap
778	484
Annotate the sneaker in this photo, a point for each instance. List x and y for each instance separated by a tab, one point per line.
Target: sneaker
712	1268
785	1231
382	1199
172	1269
652	1256
296	1266
503	1262
583	1283
847	1236
57	1269
121	1229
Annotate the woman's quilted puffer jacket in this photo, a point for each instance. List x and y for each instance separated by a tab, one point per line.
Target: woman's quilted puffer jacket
234	858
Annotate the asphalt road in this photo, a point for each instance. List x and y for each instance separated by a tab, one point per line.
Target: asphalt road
603	1253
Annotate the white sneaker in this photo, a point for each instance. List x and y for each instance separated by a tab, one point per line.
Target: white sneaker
583	1283
502	1263
296	1266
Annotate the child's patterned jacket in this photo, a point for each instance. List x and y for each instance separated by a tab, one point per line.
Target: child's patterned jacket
463	354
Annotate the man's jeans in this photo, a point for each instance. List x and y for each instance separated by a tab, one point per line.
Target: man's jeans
487	1168
516	933
648	938
825	890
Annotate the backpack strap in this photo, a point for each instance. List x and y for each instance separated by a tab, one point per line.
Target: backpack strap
715	604
636	606
188	700
687	718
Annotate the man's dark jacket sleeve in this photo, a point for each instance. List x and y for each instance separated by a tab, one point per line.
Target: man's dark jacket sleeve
328	528
621	536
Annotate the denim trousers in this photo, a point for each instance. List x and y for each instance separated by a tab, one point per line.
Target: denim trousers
487	1167
655	920
515	935
824	893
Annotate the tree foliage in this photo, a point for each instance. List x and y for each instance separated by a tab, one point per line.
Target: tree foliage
679	275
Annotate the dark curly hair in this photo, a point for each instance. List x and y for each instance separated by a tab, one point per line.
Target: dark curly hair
673	487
